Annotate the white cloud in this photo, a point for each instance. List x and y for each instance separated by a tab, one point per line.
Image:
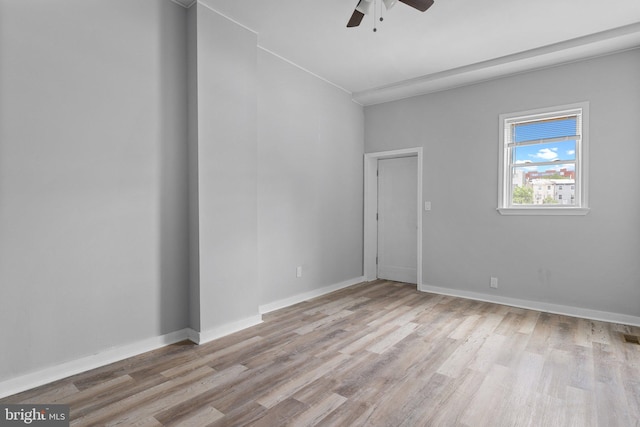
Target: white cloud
571	152
546	154
520	164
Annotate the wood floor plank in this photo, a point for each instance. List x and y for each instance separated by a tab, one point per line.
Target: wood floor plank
393	338
373	335
146	422
486	356
488	403
373	354
285	390
350	413
302	330
253	384
246	414
174	397
390	317
281	414
579	408
90	394
119	393
134	365
52	395
143	399
445	408
317	412
197	418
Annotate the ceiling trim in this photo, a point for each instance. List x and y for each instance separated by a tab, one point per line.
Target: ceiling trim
185	3
268	50
594	45
228	18
303	69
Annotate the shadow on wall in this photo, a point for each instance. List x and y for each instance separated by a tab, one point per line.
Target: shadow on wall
173	168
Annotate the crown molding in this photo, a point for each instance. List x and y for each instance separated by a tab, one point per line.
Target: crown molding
591	46
185	3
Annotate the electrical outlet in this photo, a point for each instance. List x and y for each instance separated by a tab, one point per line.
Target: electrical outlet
494	282
299	271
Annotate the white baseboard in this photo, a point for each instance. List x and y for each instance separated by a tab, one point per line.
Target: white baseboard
44	376
286	302
54	373
73	367
565	310
226	329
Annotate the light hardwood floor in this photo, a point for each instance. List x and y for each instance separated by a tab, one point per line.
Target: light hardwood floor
375	354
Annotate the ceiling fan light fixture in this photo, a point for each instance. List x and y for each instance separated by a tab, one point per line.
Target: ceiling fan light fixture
364	6
388	4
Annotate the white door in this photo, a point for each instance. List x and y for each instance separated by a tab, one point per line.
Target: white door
397	219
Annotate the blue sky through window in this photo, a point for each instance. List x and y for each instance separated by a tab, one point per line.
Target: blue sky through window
545	152
544	129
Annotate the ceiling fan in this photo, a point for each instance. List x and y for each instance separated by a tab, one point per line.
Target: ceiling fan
364	6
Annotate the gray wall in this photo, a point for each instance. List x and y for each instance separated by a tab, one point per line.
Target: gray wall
131	195
279	158
227	177
589	262
310	147
93	208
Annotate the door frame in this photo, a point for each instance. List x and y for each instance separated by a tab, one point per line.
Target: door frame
371	208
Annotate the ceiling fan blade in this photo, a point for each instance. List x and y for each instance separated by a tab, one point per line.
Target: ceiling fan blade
421	5
356	19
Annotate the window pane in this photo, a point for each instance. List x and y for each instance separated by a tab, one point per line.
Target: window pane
544	129
550	152
543	185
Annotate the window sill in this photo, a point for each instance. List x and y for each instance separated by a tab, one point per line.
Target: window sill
543	211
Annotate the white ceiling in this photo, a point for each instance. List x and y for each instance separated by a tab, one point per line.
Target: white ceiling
453	43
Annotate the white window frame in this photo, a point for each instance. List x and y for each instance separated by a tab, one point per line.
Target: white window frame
581	206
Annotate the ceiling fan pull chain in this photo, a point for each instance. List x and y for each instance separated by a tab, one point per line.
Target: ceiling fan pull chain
375	15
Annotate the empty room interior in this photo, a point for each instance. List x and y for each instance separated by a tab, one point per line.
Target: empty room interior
218	212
